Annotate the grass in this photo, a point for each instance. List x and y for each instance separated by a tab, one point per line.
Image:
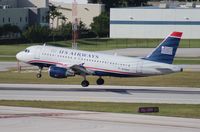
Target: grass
184	79
12	49
6	59
190	60
175	110
100	44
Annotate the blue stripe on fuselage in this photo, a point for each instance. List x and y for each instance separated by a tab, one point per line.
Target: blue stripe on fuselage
97	73
102	73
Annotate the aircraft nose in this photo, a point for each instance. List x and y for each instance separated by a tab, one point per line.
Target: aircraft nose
18	56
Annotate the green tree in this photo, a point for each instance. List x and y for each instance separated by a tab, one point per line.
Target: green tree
1	31
84	32
64	31
9	30
15	29
37	33
100	25
53	13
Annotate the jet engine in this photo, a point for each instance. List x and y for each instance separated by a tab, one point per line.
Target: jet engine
60	72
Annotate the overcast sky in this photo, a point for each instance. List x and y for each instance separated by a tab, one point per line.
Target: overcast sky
70	1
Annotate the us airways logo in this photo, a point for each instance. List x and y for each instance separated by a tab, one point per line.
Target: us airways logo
167	50
80	54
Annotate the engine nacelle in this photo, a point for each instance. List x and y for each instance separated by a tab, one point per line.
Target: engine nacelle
59	72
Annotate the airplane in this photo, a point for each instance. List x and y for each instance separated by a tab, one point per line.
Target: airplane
64	62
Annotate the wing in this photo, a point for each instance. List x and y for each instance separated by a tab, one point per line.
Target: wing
81	70
78	69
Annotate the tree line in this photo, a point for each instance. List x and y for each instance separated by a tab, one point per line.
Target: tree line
9	29
98	28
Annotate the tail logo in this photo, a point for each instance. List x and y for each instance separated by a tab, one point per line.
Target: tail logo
167	50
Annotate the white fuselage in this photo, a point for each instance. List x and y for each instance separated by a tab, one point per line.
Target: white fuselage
99	64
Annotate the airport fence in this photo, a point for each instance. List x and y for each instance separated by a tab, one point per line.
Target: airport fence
135	43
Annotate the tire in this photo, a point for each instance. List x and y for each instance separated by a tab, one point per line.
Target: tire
85	83
100	81
39	75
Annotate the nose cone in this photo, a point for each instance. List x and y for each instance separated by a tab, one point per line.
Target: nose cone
19	56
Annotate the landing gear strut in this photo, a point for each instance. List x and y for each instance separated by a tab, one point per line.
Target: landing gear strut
39	74
100	81
85	83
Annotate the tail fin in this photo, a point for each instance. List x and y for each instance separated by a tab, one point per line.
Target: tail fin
166	51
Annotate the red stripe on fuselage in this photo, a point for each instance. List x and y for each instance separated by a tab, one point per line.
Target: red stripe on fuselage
91	68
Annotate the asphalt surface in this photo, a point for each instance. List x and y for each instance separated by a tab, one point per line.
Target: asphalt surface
16	119
94	93
5	66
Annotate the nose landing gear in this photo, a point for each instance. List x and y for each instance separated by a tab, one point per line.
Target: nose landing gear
39	74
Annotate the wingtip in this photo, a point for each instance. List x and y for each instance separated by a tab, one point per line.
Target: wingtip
176	34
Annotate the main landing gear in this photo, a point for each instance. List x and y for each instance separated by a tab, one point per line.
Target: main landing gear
100	81
86	83
39	74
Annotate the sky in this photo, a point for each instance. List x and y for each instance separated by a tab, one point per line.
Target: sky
70	1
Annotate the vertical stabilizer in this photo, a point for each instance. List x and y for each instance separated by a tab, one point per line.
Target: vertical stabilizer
166	51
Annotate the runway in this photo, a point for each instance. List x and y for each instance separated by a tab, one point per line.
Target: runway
16	119
131	94
5	66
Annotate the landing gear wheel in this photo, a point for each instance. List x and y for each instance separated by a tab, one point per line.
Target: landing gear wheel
100	81
39	75
85	83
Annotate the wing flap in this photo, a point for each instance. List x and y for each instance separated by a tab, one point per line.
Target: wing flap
77	68
81	70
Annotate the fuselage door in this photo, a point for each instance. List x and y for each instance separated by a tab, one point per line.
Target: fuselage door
38	52
139	67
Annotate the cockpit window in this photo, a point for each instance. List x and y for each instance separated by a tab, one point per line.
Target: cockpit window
27	50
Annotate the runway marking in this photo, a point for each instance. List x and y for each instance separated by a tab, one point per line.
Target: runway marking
68	116
112	90
125	122
5	116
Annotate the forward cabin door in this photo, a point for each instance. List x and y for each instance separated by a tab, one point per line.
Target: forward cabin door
38	52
